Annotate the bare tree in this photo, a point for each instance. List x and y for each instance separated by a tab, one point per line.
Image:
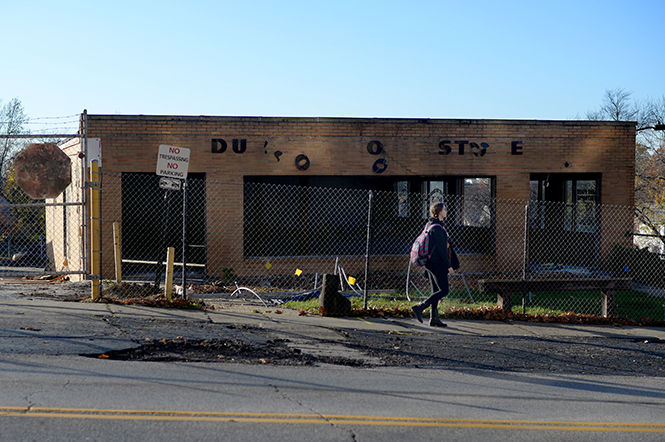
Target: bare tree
649	115
12	122
617	105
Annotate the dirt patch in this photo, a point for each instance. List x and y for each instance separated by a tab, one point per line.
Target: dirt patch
579	355
67	297
142	294
272	352
124	291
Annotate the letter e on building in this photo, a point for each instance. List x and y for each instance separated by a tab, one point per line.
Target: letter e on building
173	161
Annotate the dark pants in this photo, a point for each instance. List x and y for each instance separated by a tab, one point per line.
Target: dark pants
438	279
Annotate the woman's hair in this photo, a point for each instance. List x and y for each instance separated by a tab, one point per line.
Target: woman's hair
436	208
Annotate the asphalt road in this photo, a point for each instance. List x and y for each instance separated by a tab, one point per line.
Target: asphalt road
340	379
72	398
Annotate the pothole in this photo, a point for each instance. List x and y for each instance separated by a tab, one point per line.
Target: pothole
273	351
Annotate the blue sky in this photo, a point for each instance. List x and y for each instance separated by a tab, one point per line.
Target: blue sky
427	59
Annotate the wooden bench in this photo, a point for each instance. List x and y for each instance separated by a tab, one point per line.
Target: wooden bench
507	287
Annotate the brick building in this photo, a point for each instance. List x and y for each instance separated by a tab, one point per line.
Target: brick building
510	160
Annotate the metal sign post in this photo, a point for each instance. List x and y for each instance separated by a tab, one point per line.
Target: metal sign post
172	165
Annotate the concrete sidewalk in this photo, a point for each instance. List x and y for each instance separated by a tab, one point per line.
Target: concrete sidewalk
42	326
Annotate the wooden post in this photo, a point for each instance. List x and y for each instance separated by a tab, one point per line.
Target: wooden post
117	251
609	304
505	301
523	303
95	231
170	252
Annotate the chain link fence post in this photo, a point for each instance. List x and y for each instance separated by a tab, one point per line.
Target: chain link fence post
526	241
95	231
370	204
184	238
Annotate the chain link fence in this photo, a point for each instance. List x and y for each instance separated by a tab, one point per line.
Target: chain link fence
285	237
23	241
40	239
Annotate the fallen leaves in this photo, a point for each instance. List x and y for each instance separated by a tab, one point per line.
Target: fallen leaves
495	313
49	278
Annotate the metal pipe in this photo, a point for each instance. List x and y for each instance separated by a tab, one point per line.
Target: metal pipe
175	263
368	245
525	261
41	204
95	229
184	238
42	136
84	193
650	235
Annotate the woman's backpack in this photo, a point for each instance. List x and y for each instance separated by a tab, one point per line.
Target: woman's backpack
420	250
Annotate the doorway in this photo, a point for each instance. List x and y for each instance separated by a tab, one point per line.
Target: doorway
564	219
152	220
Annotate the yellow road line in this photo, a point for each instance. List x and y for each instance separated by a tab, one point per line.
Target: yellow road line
285	418
314	415
363	320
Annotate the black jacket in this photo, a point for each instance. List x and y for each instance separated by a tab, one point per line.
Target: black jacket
439	241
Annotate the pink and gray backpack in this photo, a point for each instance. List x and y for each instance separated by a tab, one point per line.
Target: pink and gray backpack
420	250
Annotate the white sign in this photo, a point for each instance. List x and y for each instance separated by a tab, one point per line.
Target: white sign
169	183
173	161
95	151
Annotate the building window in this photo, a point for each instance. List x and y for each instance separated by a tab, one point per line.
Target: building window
436	192
402	199
536	208
580	198
477	202
563	210
327	215
565	201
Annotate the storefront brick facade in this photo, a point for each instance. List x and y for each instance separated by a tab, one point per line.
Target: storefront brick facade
228	149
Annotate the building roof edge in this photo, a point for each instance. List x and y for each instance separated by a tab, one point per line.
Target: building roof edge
460	121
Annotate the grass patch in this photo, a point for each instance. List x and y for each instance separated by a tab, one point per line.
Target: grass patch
630	304
310	306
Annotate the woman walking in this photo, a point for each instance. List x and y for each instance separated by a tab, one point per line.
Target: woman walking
438	265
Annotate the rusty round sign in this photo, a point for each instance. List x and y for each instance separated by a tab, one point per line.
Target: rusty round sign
43	170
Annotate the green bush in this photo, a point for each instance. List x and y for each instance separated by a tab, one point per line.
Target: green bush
639	264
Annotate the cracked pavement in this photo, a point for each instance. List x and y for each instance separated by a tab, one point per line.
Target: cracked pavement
32	324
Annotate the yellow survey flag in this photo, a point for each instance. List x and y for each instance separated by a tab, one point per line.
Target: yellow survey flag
298	272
